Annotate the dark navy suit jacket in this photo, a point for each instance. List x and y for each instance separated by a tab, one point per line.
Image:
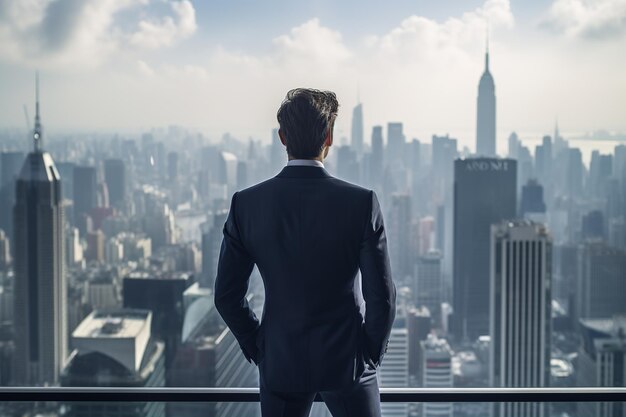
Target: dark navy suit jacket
308	233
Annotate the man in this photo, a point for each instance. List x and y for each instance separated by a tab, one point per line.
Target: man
309	233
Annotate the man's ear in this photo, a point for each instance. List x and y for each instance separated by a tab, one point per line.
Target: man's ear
329	138
281	135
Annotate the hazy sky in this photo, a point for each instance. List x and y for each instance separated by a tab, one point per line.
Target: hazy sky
225	65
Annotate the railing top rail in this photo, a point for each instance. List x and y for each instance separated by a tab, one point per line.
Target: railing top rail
404	395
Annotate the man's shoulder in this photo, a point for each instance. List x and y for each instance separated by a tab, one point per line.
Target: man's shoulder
277	183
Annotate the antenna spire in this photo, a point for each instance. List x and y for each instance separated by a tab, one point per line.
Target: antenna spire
487	47
38	131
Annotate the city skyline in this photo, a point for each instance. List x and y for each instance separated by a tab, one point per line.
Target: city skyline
415	64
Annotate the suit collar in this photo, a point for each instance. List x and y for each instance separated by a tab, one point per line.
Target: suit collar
303	171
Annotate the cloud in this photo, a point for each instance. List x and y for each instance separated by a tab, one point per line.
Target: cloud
84	33
589	19
418	38
167	31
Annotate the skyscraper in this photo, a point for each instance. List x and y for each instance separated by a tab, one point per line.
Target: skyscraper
600	283
115	178
428	288
357	129
601	362
10	164
520	301
85	198
486	113
40	309
395	144
484	194
377	159
436	372
400	237
394	370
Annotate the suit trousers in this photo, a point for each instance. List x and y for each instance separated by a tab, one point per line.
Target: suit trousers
361	399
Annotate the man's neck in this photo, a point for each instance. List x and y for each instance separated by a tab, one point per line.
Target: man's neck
317	158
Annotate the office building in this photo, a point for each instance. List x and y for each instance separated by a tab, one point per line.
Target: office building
211	244
521	309
394	370
40	288
419	325
5	251
533	206
10	164
377	159
162	294
428	289
209	356
115	178
395	145
484	194
115	348
85	194
602	362
356	132
600	283
436	372
401	255
486	114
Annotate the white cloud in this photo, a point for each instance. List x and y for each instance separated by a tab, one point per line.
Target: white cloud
82	33
591	19
154	34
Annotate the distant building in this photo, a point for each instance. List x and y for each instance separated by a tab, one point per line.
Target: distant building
436	372
357	129
115	178
10	164
394	369
347	165
602	362
377	158
484	194
395	144
85	198
114	348
428	289
593	226
40	283
5	251
163	296
521	274
400	237
209	356
211	244
600	284
419	325
533	206
486	114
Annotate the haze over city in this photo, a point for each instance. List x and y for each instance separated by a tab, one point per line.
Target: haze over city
129	65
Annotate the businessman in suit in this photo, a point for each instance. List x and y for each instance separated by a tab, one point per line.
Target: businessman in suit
309	234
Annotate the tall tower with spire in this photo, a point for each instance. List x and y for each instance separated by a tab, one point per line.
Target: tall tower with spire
40	307
486	112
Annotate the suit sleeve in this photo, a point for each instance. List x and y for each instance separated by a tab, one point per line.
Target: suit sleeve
379	291
231	285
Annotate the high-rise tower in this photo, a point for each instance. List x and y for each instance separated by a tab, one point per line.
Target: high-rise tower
521	268
40	309
484	194
357	129
486	113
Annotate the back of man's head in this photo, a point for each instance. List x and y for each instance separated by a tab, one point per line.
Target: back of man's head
306	116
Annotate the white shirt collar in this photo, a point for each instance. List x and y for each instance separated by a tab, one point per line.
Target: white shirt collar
306	162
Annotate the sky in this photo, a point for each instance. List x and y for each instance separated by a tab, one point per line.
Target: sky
225	65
